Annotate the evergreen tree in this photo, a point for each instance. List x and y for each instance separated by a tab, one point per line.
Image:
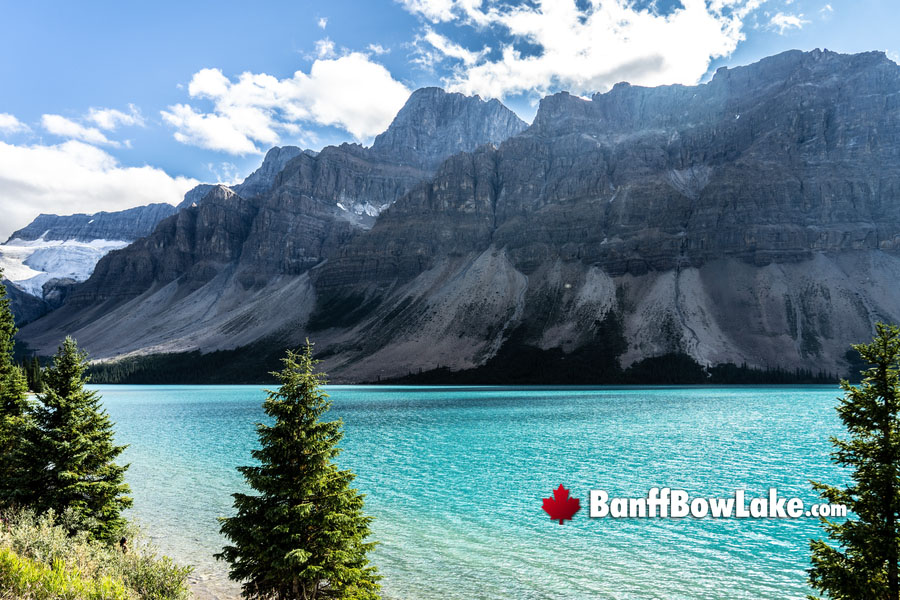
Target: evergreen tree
7	330
68	455
33	374
302	536
863	561
13	398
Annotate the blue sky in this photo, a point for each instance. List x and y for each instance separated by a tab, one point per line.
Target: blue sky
107	105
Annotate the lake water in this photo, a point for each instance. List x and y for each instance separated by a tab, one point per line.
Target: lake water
455	479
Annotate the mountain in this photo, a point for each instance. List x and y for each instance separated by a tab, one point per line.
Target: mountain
123	225
194	195
751	219
229	267
433	125
258	182
262	179
41	261
26	307
45	259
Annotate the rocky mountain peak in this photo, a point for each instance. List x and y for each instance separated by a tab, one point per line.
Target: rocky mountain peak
434	124
195	195
262	179
557	109
220	192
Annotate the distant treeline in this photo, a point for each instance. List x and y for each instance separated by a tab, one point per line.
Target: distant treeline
248	364
668	369
523	365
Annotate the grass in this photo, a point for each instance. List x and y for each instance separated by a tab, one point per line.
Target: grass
39	559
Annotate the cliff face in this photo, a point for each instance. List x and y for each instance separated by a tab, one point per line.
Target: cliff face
261	180
434	125
195	244
794	155
753	218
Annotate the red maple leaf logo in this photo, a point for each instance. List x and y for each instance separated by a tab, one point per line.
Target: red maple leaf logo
561	506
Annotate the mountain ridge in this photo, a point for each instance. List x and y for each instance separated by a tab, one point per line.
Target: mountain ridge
315	203
732	221
125	225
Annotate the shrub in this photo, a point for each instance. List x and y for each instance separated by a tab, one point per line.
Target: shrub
45	540
27	579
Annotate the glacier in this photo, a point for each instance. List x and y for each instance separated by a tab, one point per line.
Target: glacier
32	263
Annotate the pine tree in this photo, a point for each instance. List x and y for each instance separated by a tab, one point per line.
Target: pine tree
70	452
863	561
302	536
33	374
13	398
38	375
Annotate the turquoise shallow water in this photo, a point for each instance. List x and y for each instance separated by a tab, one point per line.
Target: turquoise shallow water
455	478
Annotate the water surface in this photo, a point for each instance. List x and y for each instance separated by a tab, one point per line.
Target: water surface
454	477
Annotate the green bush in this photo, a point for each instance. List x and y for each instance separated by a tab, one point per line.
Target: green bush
44	540
26	579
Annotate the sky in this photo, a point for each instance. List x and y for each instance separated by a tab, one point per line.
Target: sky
110	105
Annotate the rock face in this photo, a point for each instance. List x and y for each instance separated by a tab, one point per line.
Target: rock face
434	125
261	180
755	218
195	243
195	195
774	162
124	225
25	307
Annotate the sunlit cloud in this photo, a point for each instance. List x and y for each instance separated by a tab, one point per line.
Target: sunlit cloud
254	111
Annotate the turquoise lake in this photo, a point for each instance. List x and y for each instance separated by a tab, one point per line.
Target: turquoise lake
455	477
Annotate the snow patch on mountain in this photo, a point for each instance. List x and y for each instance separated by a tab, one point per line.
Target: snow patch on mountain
360	208
32	263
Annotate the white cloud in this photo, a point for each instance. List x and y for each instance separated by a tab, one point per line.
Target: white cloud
10	124
110	118
350	92
75	177
325	48
826	9
377	49
212	131
323	22
67	128
584	48
784	22
433	10
451	49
